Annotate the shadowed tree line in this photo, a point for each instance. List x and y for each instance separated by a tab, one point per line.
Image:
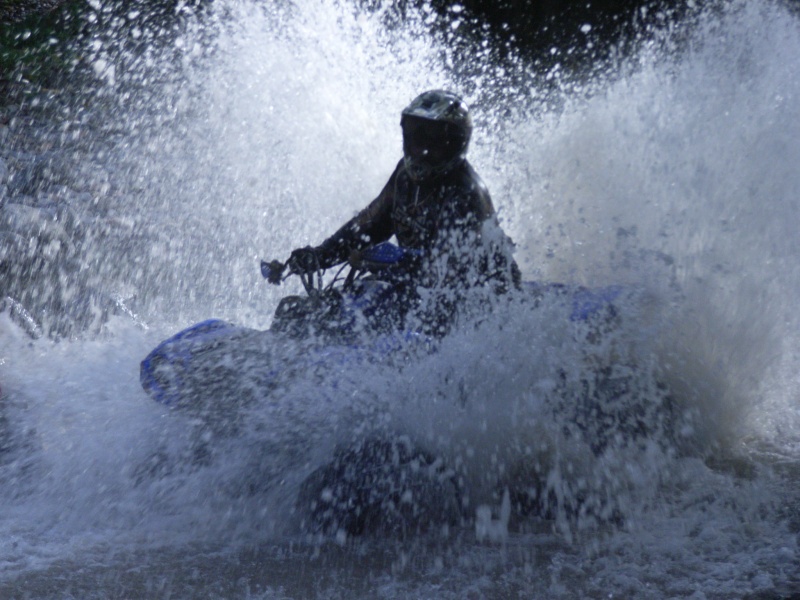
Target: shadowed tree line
35	35
535	26
17	10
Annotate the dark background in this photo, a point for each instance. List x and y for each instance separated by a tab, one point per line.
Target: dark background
34	32
537	25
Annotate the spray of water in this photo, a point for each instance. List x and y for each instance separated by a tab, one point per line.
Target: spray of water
258	129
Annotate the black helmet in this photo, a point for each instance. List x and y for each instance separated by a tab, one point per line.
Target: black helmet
436	131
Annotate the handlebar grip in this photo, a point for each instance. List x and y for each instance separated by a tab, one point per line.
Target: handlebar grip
272	271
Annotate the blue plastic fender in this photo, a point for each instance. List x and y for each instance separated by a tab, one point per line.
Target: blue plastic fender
176	353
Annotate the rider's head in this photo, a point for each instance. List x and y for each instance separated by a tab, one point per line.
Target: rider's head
436	131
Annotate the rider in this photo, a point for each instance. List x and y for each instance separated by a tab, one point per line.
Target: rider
435	203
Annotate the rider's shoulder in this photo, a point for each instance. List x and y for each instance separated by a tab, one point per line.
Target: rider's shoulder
469	180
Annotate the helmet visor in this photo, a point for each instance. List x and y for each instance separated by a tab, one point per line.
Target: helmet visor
430	142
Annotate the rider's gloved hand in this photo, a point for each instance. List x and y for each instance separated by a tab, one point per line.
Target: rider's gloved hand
272	271
303	261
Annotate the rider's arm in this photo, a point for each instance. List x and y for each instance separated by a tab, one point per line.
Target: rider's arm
369	227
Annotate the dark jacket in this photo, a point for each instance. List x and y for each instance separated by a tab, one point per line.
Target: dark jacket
446	218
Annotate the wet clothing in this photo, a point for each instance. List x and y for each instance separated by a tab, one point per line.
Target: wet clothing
450	220
447	218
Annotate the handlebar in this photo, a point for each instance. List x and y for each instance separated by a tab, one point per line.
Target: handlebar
273	271
373	258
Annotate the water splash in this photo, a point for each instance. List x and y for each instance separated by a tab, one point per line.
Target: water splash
673	172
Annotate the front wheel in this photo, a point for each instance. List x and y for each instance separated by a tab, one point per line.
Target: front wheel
381	485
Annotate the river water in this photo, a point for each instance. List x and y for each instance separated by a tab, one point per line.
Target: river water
251	130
